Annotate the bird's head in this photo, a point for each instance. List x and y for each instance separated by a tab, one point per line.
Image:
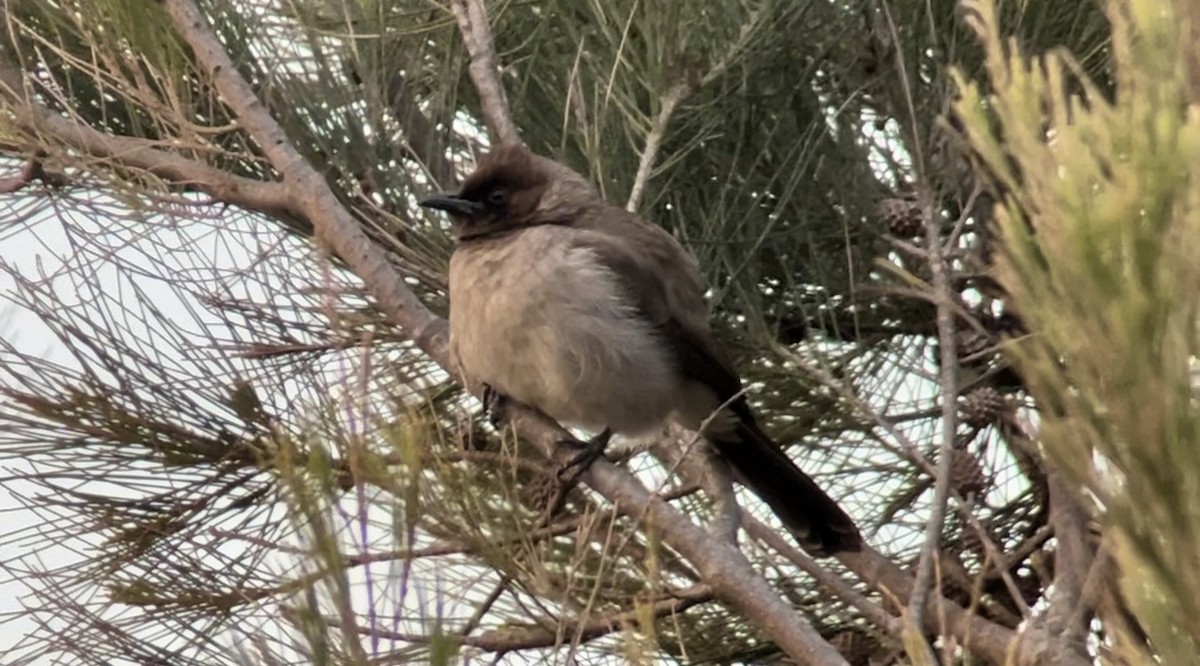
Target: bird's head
511	188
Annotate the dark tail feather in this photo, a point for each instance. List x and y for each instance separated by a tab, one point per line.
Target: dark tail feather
816	520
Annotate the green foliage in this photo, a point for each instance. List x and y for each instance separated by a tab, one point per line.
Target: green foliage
1101	223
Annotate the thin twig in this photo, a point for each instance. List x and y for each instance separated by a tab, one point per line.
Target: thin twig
654	139
526	638
141	154
945	327
484	70
944	300
716	477
674	96
419	131
968	212
484	606
948	382
824	577
1000	562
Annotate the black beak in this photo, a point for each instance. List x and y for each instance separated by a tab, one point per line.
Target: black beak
451	204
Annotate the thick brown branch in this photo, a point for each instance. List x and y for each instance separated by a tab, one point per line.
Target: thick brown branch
942	616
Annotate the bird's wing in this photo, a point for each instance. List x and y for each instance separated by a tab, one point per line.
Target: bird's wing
665	285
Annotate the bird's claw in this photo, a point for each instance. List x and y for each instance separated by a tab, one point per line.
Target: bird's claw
494	405
592	450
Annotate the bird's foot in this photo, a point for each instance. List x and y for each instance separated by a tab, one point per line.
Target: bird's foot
553	495
495	405
592	450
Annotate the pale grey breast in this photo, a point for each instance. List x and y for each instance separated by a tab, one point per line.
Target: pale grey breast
538	318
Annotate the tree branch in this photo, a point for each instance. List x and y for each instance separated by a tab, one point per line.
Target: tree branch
653	140
485	71
942	616
521	638
721	565
943	297
671	100
1062	628
142	154
526	638
824	577
307	193
948	387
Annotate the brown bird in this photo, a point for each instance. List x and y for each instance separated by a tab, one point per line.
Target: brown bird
568	304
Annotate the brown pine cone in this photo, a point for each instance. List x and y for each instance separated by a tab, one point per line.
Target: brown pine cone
966	474
981	407
902	216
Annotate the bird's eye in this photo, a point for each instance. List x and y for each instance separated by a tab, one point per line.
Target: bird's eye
497	197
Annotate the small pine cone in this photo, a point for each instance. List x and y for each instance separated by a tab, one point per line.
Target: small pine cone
981	407
971	343
966	474
902	216
855	645
540	491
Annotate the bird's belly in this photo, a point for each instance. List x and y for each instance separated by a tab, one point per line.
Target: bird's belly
559	335
617	379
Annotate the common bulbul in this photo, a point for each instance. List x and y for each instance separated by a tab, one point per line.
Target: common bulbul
589	313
